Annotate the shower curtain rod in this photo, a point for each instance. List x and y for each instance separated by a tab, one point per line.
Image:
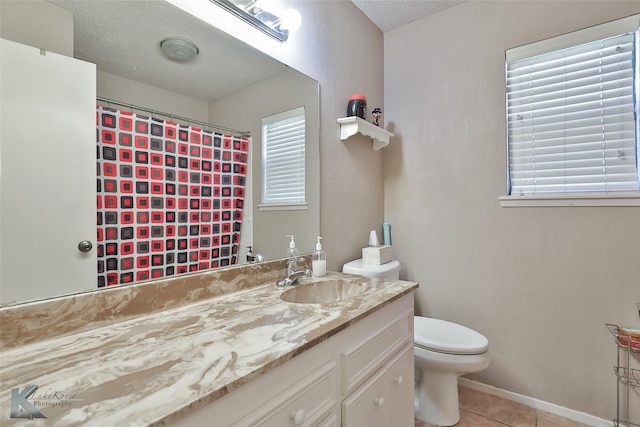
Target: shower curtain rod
189	121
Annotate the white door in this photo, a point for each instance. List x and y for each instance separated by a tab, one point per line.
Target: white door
47	173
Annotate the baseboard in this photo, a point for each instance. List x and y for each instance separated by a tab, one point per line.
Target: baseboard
531	402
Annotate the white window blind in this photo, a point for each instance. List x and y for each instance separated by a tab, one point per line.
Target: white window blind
283	158
572	116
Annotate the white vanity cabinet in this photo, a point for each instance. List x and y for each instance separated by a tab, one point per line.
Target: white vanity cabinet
360	377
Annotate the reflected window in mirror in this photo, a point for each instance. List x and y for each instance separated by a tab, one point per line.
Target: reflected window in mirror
283	160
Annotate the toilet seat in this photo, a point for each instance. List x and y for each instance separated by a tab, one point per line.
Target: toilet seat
447	337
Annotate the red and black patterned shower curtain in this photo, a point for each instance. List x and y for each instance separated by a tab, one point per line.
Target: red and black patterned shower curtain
170	197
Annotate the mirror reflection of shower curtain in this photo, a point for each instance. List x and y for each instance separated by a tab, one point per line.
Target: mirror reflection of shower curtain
169	197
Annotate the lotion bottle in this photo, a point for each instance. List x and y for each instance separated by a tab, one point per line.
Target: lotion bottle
319	260
292	251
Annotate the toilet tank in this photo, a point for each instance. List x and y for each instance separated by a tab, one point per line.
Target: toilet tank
389	270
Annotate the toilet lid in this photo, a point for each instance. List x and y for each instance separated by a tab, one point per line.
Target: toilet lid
371	270
447	337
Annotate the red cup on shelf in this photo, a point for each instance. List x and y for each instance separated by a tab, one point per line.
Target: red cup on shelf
357	106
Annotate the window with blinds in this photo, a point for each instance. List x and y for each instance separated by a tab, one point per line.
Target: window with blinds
283	158
572	108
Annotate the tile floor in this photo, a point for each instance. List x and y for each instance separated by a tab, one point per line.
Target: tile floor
479	409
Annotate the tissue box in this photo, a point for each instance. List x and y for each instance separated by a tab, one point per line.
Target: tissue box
376	255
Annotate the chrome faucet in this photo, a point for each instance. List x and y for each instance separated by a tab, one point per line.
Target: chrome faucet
292	273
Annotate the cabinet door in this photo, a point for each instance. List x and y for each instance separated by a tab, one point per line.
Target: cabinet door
48	176
367	406
400	372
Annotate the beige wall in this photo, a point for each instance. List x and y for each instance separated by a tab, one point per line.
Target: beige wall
244	109
37	24
540	283
125	90
346	54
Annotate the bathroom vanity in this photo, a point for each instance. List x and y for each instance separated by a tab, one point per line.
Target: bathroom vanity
362	376
218	348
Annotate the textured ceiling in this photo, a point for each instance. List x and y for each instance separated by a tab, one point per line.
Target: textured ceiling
391	14
123	38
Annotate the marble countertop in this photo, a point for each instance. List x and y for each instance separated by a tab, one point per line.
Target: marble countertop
154	369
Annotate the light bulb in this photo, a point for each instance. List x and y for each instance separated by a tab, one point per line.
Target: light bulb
290	20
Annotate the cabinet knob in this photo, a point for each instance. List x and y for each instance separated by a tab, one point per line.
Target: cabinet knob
297	416
397	380
378	401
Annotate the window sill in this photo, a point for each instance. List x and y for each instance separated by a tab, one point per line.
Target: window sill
564	200
283	207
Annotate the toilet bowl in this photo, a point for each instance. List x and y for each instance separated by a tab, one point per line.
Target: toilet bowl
443	351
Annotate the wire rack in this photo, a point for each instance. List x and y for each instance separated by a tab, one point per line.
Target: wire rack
628	378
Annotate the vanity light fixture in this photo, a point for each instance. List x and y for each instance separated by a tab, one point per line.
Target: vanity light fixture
273	22
179	48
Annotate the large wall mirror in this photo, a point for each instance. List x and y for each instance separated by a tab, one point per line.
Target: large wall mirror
228	83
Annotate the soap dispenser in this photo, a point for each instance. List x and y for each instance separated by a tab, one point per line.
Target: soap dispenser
319	260
292	251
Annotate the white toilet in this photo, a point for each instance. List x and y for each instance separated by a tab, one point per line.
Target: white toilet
443	351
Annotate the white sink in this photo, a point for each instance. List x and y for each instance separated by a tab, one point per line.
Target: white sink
324	292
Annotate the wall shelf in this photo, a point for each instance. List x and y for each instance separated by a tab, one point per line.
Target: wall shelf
349	126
